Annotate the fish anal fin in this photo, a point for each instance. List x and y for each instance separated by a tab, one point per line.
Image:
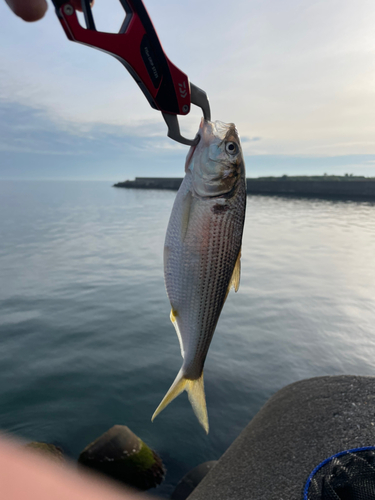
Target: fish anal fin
195	390
173	317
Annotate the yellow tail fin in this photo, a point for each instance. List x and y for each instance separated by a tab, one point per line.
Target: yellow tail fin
195	390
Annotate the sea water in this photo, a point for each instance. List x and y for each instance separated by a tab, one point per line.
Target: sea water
85	337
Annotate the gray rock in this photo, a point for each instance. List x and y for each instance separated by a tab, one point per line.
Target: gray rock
191	480
122	455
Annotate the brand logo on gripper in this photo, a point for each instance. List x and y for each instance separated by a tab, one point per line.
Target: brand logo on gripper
182	89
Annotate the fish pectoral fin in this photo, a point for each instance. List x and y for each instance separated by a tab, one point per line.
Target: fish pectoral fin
195	390
235	279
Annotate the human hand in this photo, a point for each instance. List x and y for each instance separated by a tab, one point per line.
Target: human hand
25	474
33	10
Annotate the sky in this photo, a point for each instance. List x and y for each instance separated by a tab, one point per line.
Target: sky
297	77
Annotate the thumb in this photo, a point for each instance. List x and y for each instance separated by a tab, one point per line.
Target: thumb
28	10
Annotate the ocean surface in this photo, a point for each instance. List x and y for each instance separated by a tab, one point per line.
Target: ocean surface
85	336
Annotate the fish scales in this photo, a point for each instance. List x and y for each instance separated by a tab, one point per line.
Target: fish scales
210	275
201	251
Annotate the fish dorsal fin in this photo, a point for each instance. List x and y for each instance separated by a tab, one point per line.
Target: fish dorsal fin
235	279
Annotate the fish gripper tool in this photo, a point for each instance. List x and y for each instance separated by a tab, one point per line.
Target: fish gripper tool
138	48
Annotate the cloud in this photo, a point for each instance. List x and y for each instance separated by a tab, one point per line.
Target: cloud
296	78
28	130
34	146
300	76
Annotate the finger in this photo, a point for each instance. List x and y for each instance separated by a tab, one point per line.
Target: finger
28	10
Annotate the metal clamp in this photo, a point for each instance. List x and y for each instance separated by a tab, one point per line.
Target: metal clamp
199	98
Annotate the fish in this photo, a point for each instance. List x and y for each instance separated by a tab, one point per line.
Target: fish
202	252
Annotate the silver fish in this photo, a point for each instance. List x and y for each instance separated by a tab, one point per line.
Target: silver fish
202	252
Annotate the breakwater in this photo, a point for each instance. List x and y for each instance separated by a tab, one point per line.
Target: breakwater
172	183
325	186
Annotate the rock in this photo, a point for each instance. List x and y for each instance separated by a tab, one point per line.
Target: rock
48	450
122	455
191	480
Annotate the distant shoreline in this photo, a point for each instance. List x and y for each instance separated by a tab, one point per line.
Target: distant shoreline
347	186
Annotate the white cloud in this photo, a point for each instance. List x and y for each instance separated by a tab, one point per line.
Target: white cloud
300	75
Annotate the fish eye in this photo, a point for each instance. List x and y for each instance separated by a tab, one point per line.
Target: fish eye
231	148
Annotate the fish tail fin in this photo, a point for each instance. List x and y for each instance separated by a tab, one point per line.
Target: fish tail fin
197	398
195	390
178	386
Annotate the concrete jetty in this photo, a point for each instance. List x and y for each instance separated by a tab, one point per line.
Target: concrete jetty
298	428
172	183
347	187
